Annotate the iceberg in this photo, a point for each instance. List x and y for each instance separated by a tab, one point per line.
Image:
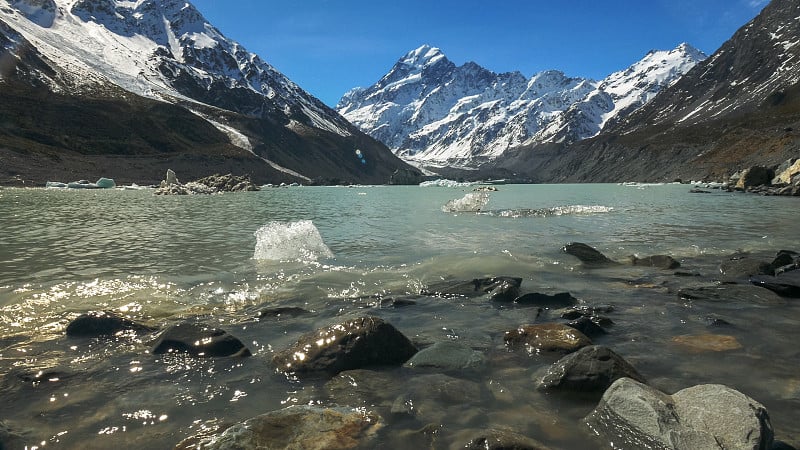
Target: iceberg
472	202
293	241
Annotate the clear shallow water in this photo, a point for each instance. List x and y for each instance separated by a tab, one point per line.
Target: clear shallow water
164	259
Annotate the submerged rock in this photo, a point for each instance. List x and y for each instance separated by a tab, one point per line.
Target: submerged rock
560	300
495	439
742	266
501	289
301	427
707	342
787	284
199	341
356	344
11	438
547	338
447	355
731	294
427	395
657	261
588	255
103	323
633	415
590	369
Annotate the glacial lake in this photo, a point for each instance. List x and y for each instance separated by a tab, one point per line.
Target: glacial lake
218	259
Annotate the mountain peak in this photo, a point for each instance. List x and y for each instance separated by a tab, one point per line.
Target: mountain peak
423	56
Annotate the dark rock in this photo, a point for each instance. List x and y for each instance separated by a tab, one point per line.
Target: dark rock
358	343
731	294
560	300
590	369
447	355
657	261
283	311
587	326
786	285
199	341
503	440
547	338
785	261
306	427
587	254
427	394
698	191
501	289
715	321
755	176
780	445
742	266
104	323
633	415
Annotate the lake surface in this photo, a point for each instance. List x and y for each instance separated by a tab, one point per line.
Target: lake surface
161	260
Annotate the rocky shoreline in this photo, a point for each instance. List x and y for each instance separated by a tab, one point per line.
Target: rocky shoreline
351	358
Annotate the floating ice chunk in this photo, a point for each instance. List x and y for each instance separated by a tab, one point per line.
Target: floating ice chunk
472	202
299	240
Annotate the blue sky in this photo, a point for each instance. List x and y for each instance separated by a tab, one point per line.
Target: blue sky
330	46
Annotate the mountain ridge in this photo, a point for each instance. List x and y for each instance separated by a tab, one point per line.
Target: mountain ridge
432	112
165	51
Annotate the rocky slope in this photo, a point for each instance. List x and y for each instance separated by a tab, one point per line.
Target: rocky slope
118	86
739	108
430	111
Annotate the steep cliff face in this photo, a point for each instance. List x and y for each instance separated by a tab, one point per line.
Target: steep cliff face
430	111
135	54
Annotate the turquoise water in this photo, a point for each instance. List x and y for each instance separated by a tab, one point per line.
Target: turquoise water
163	259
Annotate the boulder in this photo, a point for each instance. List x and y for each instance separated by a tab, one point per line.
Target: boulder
560	300
707	342
588	255
590	369
741	266
633	415
104	323
199	341
755	176
301	427
495	439
787	284
785	261
355	344
447	355
547	338
657	261
787	170
501	289
587	326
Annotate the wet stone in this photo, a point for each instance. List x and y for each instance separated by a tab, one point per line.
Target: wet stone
743	266
731	294
447	355
283	311
500	289
656	261
587	326
560	300
547	338
707	342
787	284
590	369
359	343
633	415
103	323
587	255
306	427
495	439
199	341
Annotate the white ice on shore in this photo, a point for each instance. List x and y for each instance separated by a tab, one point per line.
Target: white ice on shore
293	241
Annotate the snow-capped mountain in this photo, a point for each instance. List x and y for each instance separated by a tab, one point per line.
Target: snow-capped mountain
165	50
736	109
429	110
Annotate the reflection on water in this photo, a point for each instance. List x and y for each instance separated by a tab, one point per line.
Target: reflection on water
159	260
